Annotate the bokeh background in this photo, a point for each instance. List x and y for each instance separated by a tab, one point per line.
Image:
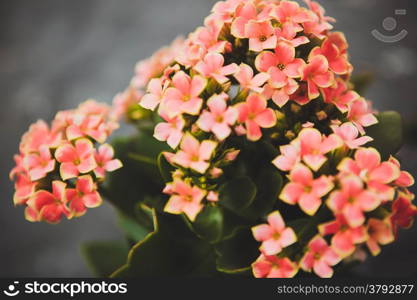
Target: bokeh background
56	53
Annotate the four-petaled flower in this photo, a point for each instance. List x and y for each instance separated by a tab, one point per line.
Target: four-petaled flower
213	66
261	35
274	267
170	131
76	159
305	190
105	161
219	117
349	133
185	198
320	257
255	115
83	196
317	75
274	235
380	233
193	154
248	81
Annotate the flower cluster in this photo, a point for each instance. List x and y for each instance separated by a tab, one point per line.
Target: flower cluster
58	166
273	71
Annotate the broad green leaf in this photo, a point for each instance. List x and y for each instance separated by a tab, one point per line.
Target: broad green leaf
237	194
138	178
269	185
209	223
165	168
237	252
170	250
387	134
103	258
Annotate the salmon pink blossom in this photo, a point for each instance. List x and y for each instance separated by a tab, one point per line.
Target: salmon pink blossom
218	118
320	257
155	93
255	115
361	115
305	190
403	211
283	60
344	237
46	206
213	66
76	159
185	198
105	161
274	235
184	96
314	146
243	14
261	35
83	196
349	134
290	15
170	131
40	163
193	154
380	233
274	267
317	75
280	95
290	156
353	200
248	81
340	95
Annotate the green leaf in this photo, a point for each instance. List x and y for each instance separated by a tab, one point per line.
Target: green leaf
165	168
237	194
269	185
209	223
138	178
133	230
103	258
387	134
237	252
171	250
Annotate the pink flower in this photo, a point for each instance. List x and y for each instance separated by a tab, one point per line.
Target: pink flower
193	154
24	187
339	95
255	115
290	15
170	131
213	66
183	97
403	211
344	237
380	233
261	35
76	159
405	179
283	59
83	196
349	133
305	190
155	93
320	257
46	206
249	82
319	25
39	135
40	163
274	267
243	14
317	75
280	95
274	235
185	199
105	161
352	200
361	115
338	61
219	118
367	165
225	10
90	120
122	102
314	146
290	156
208	36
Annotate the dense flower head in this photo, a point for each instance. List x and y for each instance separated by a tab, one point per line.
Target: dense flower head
58	166
263	72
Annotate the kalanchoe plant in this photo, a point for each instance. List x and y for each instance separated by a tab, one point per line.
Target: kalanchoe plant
254	154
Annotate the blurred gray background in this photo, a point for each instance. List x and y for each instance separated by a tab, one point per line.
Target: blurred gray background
56	53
